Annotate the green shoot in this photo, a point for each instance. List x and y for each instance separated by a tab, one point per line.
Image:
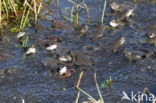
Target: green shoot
103	12
97	86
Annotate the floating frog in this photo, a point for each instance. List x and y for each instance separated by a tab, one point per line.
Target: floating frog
122	16
151	34
83	29
50	62
81	59
114	44
152	41
64	72
132	56
49	44
79	32
116	6
97	32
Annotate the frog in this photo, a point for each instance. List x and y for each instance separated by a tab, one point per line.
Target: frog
81	31
50	62
66	73
124	15
97	32
114	44
49	44
81	59
115	6
151	34
152	41
121	17
132	56
62	71
147	52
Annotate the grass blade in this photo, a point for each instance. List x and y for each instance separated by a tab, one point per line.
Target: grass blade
13	6
76	17
97	86
23	16
77	86
35	10
6	10
0	13
87	95
77	97
103	12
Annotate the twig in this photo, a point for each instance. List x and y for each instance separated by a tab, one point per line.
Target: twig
77	86
79	79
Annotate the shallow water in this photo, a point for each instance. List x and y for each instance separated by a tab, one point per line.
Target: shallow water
30	80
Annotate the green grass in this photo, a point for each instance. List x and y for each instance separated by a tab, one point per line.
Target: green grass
19	11
103	12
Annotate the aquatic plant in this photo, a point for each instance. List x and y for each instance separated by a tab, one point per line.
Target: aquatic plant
74	17
103	12
93	100
19	11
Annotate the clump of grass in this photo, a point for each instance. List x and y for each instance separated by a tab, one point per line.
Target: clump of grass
25	42
19	11
74	18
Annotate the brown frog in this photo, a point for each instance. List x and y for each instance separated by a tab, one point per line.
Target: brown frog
151	34
147	52
114	44
67	73
115	6
83	29
152	41
121	17
50	62
124	15
132	56
81	59
97	32
62	72
79	32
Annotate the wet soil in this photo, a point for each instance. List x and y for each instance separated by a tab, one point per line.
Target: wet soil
28	78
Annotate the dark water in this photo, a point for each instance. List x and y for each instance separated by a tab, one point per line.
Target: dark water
30	80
